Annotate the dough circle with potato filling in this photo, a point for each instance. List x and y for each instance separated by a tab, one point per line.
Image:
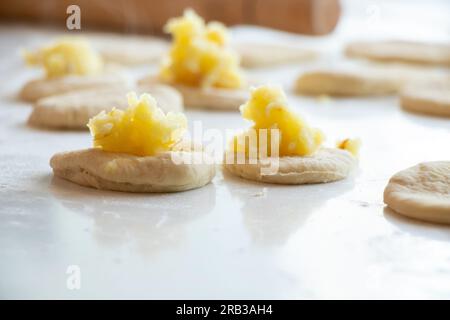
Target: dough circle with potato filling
139	149
282	148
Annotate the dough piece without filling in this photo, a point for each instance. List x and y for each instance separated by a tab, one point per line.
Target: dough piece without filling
206	98
326	165
421	192
129	49
401	51
40	88
74	109
255	55
427	99
346	83
124	172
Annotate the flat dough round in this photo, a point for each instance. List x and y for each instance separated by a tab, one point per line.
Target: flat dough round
256	55
401	51
326	165
124	172
129	49
421	192
208	98
427	99
41	88
346	83
74	109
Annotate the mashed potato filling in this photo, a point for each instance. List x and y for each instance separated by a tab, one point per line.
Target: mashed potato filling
142	129
268	109
68	56
200	55
351	145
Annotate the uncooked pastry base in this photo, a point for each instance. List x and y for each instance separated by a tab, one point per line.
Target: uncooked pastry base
74	109
208	98
421	192
326	165
124	172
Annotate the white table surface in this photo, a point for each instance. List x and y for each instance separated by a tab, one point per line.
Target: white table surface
232	238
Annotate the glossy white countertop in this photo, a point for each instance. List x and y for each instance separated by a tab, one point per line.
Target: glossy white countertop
232	238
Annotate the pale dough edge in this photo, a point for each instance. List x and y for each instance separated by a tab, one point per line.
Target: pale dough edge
76	118
79	167
256	55
211	98
412	208
400	199
424	106
40	88
362	49
310	170
343	84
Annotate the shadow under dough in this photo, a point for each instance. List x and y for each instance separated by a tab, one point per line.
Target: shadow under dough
416	227
153	221
272	213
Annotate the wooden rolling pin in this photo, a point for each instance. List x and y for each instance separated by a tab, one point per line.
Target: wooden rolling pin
314	17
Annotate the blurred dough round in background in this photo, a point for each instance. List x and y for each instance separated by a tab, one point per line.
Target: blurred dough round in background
128	49
421	192
326	165
346	83
205	98
367	78
400	51
74	109
255	55
41	88
432	99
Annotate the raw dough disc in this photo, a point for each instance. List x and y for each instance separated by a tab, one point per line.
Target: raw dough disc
421	192
428	99
74	109
326	165
40	88
129	49
208	98
124	172
400	51
255	55
346	83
